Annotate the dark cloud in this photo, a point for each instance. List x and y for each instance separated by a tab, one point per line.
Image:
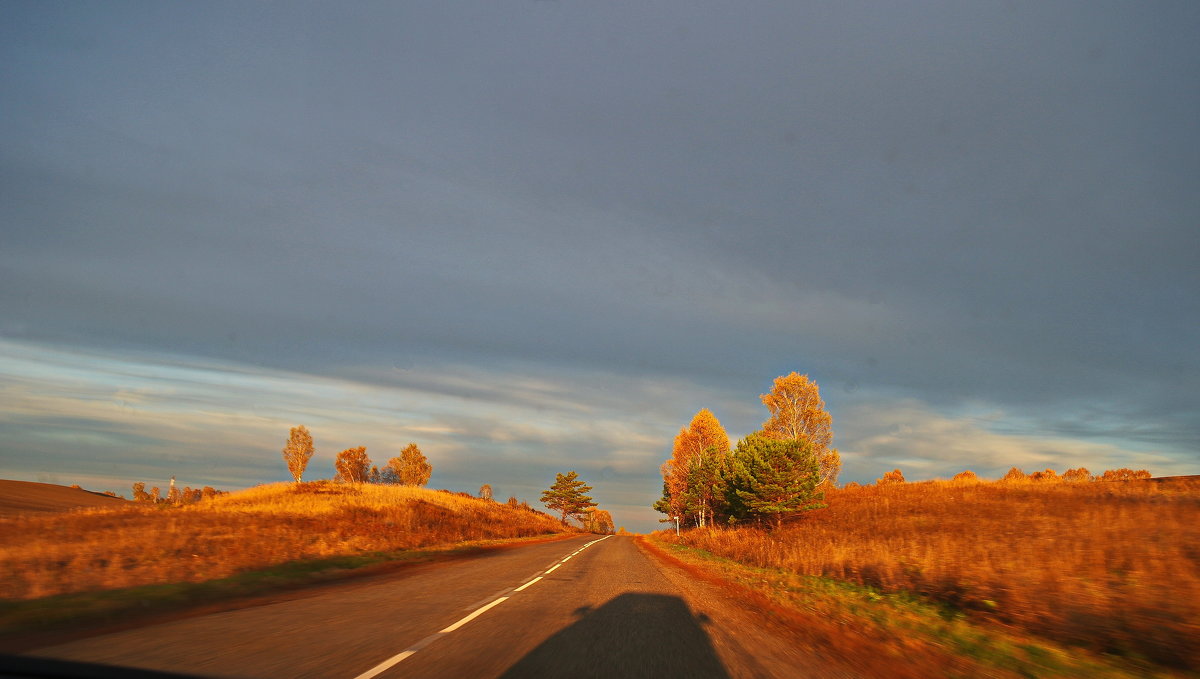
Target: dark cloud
948	203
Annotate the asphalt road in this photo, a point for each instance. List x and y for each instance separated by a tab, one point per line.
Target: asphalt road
575	608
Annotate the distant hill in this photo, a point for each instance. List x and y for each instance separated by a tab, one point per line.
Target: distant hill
28	497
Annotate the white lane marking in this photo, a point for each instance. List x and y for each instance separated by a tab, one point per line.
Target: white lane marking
527	584
385	665
478	612
401	656
487	599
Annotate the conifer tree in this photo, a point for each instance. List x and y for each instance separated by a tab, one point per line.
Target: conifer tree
771	479
567	497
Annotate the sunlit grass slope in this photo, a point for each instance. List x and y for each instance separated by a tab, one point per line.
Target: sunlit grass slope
242	531
1113	568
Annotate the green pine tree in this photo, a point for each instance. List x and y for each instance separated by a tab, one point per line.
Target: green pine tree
771	479
567	497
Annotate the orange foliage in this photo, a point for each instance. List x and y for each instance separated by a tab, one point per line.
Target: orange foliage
1048	475
703	432
894	476
352	465
230	533
1112	567
798	413
1124	475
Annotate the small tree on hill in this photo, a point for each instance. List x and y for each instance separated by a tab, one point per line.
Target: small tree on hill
298	451
485	491
353	465
1014	474
567	496
894	476
1077	475
139	492
411	468
965	477
771	478
1048	475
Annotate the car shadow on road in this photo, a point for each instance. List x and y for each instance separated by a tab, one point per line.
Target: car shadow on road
633	635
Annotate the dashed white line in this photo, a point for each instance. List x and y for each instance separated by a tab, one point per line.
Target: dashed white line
528	584
478	612
399	657
385	665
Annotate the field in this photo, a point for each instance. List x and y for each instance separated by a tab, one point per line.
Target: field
26	497
1111	569
138	544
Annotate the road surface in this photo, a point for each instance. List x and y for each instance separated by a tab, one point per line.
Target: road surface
582	607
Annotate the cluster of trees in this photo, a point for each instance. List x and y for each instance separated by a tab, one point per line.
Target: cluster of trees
410	468
1077	475
175	496
1015	474
770	474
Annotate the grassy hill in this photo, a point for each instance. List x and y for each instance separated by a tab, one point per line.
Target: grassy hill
27	497
306	526
1034	578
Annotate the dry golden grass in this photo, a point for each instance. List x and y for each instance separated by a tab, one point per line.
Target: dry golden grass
1111	567
242	531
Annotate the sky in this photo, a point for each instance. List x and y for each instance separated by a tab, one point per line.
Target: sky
535	237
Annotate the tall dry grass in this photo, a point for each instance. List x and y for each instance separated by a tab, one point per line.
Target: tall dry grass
242	531
1112	567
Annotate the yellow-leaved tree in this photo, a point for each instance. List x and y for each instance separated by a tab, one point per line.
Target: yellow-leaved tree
352	465
411	468
798	414
693	475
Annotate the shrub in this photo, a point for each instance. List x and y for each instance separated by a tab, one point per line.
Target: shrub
1124	474
894	476
1077	475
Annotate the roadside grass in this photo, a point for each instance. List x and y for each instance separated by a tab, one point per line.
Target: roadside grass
22	618
901	633
1112	568
256	530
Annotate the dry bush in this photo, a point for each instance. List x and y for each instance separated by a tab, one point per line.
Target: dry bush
966	477
236	532
1112	567
894	476
1077	475
1047	475
1124	474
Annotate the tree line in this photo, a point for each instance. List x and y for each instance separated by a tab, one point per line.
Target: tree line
769	475
567	495
410	468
